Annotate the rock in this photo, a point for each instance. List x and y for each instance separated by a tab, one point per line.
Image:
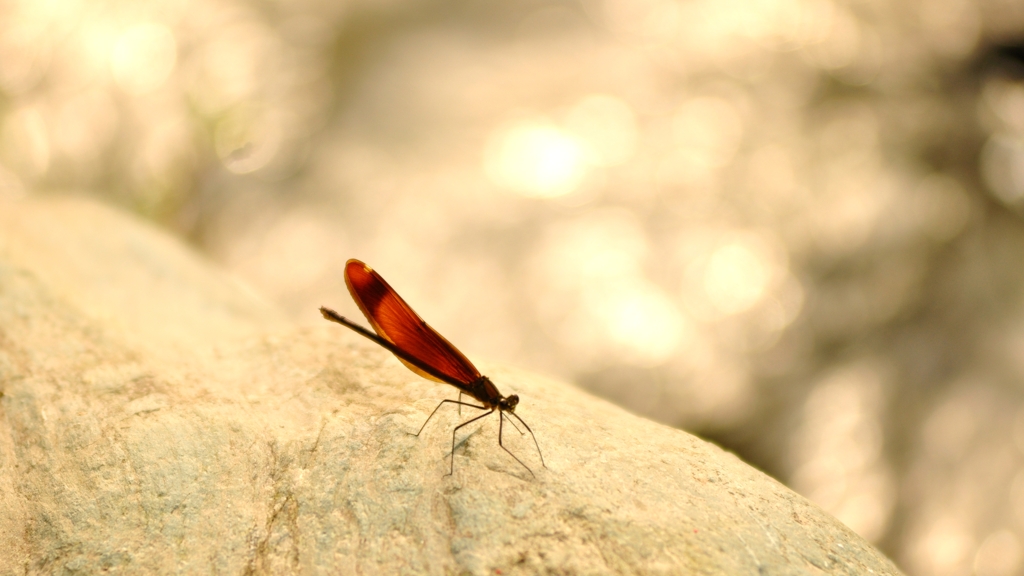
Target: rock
158	417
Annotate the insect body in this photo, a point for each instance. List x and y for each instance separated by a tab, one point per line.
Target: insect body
399	329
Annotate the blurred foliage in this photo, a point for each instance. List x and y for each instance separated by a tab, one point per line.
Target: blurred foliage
792	226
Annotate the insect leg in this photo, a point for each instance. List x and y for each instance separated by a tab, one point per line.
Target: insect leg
516	427
534	437
451	470
501	425
442	404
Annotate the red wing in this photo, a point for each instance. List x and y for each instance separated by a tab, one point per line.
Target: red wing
396	322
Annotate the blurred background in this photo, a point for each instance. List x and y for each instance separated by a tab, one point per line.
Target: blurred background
794	227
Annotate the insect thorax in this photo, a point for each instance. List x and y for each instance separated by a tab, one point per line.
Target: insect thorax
485	391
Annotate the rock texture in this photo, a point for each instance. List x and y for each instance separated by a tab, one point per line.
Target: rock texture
157	417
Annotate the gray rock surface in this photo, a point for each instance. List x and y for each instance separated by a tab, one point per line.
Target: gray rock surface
157	417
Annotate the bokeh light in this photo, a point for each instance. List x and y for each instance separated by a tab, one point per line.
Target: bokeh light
143	57
792	226
838	457
536	159
999	555
601	303
736	278
607	127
